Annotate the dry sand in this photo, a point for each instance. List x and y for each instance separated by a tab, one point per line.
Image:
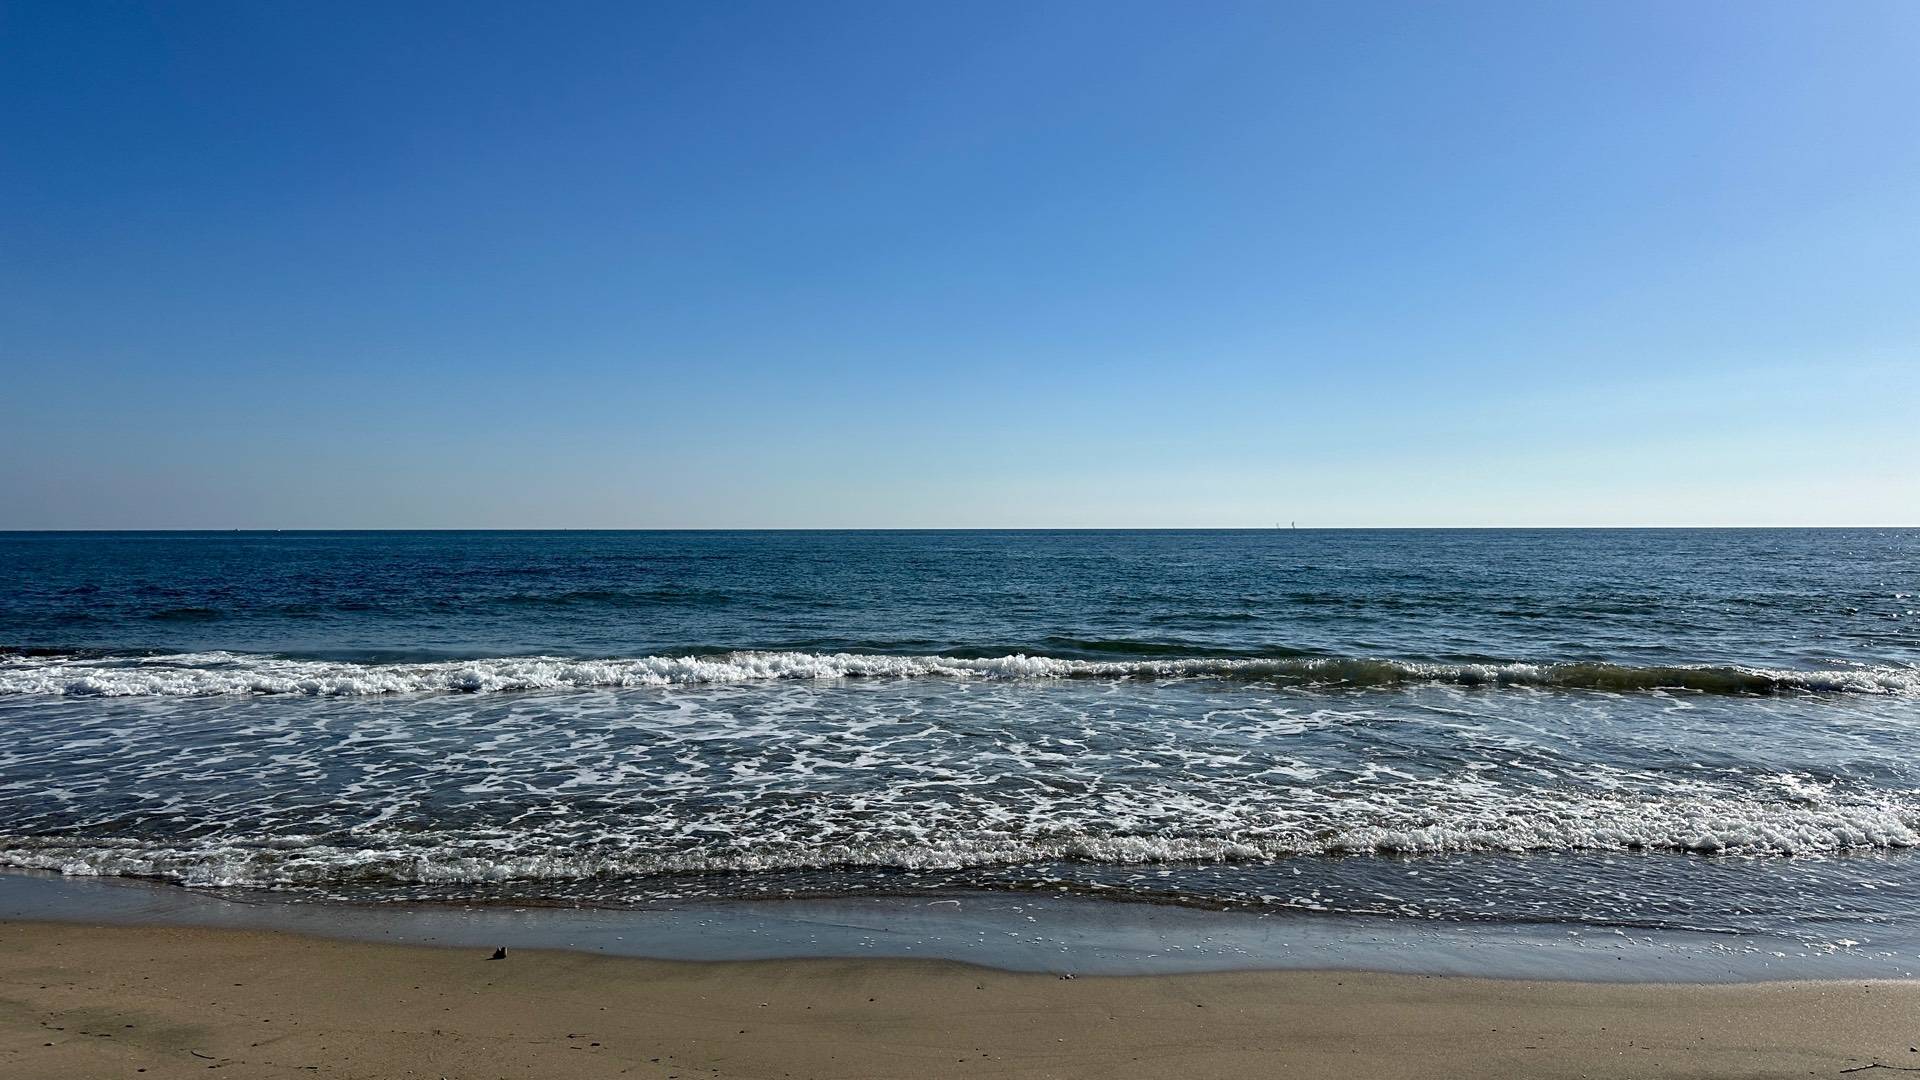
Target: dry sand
83	1001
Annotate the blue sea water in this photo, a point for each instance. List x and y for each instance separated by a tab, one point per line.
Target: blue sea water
1701	729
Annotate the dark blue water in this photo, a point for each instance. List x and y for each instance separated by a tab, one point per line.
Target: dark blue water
1798	598
1711	729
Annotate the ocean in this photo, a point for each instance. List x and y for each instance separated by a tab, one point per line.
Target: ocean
1693	730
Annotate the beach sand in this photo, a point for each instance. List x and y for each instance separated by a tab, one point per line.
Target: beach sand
88	1001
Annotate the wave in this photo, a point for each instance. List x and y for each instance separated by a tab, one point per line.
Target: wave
1731	827
225	673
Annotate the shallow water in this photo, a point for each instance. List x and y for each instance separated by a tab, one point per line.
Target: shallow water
1013	931
1703	730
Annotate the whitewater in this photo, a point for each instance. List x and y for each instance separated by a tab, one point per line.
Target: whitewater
1708	730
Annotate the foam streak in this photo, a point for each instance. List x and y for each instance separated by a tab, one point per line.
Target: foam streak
224	673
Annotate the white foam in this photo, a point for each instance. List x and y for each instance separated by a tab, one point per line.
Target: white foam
225	673
1717	827
717	786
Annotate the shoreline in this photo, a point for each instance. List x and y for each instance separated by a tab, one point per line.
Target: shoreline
87	1000
1058	934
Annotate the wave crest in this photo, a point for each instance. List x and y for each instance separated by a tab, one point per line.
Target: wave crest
1722	827
224	673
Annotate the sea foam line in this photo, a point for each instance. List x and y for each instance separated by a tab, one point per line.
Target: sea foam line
209	674
1723	827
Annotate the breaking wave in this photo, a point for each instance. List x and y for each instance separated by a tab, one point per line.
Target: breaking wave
224	673
1724	827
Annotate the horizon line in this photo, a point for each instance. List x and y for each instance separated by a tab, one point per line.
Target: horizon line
954	529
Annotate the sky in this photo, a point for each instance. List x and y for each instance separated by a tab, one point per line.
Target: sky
577	265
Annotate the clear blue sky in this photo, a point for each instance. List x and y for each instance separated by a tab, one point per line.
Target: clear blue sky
266	264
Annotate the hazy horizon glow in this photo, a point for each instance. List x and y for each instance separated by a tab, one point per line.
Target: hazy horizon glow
1055	265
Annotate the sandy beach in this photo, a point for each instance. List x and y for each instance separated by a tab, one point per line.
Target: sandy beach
91	1001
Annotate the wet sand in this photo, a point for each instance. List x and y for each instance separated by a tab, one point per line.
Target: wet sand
97	1001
